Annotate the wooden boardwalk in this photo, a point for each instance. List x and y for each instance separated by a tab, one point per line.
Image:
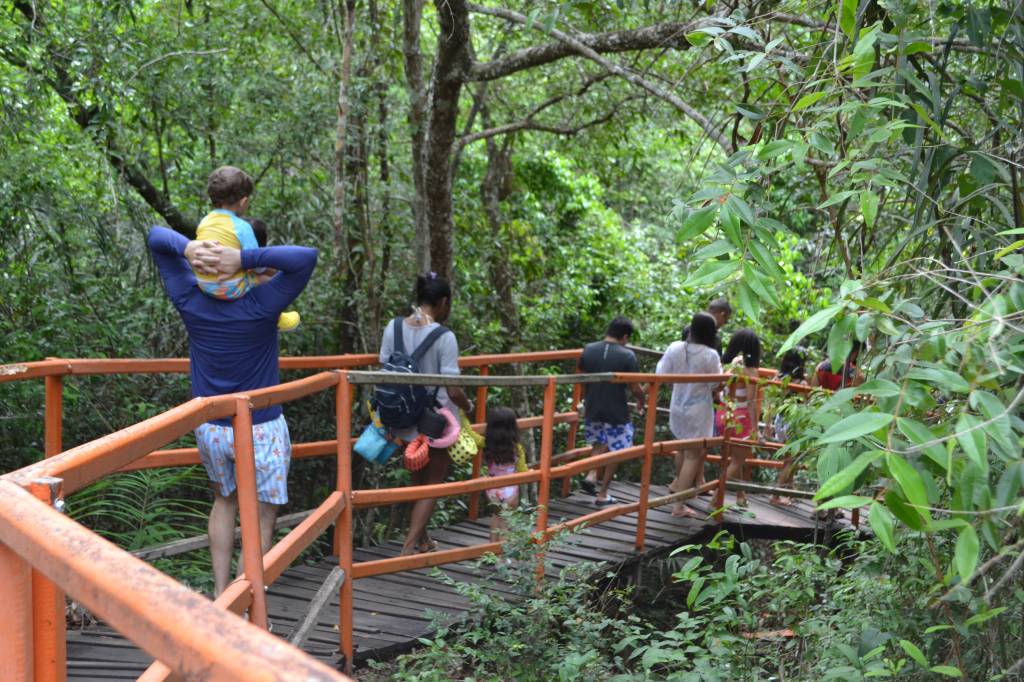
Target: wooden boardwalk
391	611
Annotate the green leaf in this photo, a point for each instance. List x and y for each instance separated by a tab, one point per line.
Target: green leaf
914	653
855	426
972	440
696	223
840	341
838	197
880	520
901	509
863	327
809	99
880	388
765	259
1010	249
814	323
919	434
966	555
869	207
848	16
846	477
712	271
941	378
715	249
846	502
749	303
759	284
730	224
985	615
741	208
910	482
698	38
946	670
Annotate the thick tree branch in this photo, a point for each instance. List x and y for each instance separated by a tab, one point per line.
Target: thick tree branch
589	52
661	35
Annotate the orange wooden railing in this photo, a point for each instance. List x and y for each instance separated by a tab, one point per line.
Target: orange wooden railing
43	554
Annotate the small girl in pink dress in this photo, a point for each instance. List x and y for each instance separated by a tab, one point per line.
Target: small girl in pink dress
501	451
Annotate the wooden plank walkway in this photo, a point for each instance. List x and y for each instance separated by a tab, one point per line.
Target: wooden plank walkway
392	611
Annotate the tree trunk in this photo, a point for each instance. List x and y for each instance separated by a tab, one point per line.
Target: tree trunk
412	18
340	141
450	68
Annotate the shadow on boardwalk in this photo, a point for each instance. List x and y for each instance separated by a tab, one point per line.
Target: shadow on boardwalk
391	611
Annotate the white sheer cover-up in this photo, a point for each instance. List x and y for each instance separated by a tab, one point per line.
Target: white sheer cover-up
691	411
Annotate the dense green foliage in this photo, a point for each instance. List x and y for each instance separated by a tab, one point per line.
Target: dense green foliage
851	168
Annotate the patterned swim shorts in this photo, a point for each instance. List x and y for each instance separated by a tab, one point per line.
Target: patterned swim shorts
272	447
615	436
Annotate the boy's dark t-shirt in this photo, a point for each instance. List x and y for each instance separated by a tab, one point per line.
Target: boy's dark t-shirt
606	402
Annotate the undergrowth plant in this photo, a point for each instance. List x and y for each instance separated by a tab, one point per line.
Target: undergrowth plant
561	629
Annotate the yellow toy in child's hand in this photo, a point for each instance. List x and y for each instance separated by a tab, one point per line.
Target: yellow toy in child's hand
288	321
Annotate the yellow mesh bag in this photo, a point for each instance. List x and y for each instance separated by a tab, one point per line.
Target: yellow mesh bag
465	447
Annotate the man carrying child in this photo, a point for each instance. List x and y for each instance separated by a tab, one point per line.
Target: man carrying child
233	347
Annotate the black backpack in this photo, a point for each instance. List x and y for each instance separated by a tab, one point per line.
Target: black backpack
399	406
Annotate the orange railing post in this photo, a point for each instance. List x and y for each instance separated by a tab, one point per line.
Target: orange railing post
547	437
343	528
648	464
574	428
481	416
53	415
248	509
16	624
723	475
49	636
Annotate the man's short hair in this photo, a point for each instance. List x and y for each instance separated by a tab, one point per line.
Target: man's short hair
228	185
620	328
720	305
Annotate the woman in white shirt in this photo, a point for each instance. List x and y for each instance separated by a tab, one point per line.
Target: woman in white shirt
691	412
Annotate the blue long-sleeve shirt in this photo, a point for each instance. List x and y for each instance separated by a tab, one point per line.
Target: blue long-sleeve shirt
233	344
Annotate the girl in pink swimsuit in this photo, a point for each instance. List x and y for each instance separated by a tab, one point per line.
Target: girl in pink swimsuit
501	449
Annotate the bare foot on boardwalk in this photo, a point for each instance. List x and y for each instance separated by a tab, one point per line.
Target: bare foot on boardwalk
779	501
679	509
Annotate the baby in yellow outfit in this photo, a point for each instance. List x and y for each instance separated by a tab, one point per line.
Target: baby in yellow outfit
229	189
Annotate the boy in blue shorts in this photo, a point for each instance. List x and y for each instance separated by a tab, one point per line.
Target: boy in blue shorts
607	425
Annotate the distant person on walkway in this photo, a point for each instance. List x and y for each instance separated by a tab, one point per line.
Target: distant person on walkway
721	311
607	426
847	376
233	347
692	409
741	414
501	452
432	305
230	189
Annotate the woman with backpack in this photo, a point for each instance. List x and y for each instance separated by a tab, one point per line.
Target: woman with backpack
439	355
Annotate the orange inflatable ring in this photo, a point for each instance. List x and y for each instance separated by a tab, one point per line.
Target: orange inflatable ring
417	454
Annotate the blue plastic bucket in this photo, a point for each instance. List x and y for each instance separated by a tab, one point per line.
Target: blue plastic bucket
373	445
